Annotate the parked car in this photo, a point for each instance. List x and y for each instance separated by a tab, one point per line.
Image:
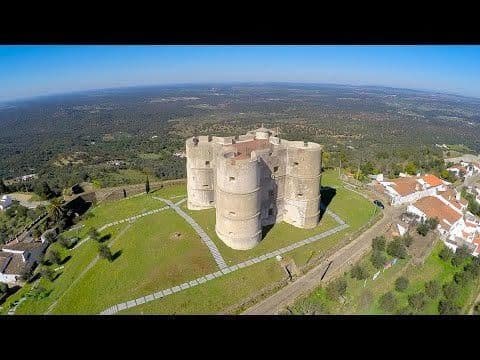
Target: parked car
379	204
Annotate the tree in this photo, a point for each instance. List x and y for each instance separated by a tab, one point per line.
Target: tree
337	288
105	252
448	307
417	301
3	288
147	186
388	302
55	210
432	289
43	190
446	254
359	272
50	236
53	256
451	291
473	268
378	259
401	284
3	187
432	223
462	278
407	240
379	243
423	229
94	234
411	169
460	256
397	249
64	242
36	233
47	273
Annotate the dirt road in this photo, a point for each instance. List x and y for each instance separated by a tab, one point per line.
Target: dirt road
330	267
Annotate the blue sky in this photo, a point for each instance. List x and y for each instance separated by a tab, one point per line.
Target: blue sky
27	71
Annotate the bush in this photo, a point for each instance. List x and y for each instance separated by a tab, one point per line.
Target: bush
446	254
309	307
451	291
396	248
336	289
432	289
432	223
423	229
401	284
447	307
460	256
388	302
378	244
105	252
407	240
473	268
417	301
3	288
359	272
462	278
53	256
378	259
94	234
47	273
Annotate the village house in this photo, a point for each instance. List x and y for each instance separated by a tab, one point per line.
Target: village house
5	202
406	190
465	169
18	258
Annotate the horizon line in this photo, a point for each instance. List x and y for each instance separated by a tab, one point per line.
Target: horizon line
35	97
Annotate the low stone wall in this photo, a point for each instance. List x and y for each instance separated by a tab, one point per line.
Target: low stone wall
116	193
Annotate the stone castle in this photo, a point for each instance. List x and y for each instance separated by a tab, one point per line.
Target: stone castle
254	180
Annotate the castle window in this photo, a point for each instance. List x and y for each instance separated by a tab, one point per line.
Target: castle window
207	163
295	163
205	185
231	178
270	212
300	194
275	168
270	193
231	213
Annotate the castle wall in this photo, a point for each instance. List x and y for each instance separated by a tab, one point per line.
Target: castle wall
254	180
238	221
302	184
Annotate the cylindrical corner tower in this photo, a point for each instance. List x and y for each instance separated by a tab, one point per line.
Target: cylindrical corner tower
238	202
200	174
302	184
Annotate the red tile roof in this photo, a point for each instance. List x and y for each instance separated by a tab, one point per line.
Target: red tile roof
432	180
405	186
435	208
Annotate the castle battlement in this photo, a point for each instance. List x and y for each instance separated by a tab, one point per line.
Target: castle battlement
254	180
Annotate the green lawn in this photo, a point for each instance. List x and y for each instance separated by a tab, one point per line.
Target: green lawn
150	260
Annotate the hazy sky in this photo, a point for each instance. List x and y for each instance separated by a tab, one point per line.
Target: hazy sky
39	70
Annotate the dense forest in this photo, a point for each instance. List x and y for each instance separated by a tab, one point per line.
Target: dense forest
111	137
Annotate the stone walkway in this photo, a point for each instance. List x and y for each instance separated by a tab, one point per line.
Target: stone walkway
162	293
203	235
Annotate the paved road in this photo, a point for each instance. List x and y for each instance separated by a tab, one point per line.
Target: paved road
203	235
326	270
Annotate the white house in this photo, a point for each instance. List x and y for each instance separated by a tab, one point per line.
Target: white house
5	202
15	259
406	190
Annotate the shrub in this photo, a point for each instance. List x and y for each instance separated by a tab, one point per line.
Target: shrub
378	259
462	278
423	229
460	256
432	223
451	291
388	302
446	254
417	301
105	252
401	284
337	288
3	288
432	289
397	249
53	256
359	272
47	273
447	307
378	243
407	240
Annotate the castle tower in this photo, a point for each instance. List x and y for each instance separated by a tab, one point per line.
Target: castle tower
238	221
302	184
200	174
